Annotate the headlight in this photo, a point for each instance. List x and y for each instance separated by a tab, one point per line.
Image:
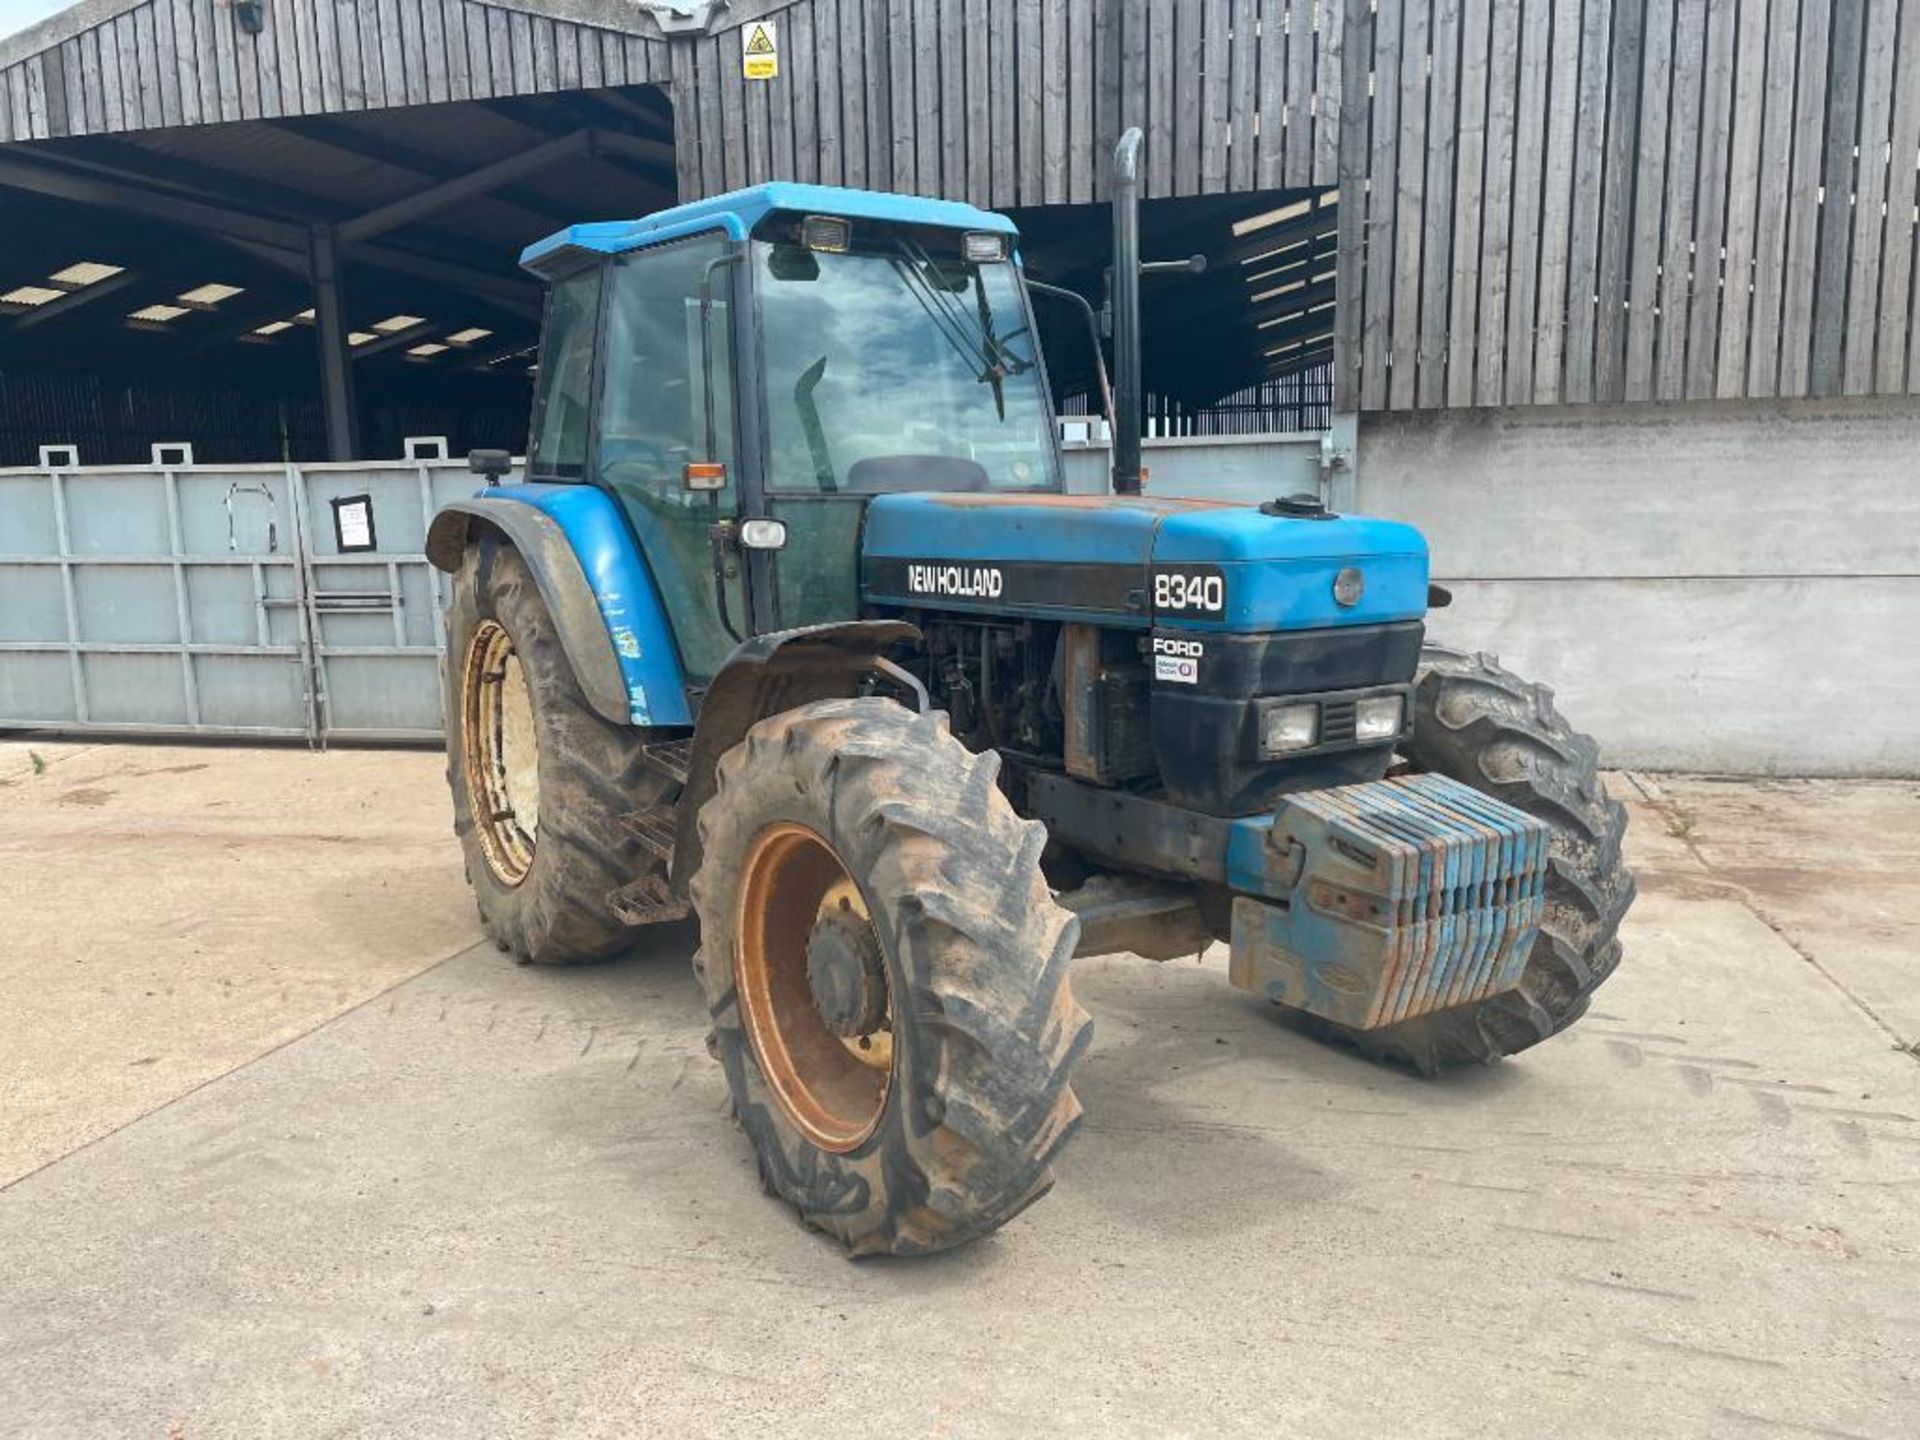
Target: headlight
1289	727
1378	718
763	534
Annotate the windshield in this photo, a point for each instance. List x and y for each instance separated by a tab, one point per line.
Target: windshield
897	366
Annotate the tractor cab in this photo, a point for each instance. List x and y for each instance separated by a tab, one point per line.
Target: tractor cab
784	354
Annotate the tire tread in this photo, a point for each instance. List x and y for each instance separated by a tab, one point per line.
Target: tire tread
945	861
592	774
1484	726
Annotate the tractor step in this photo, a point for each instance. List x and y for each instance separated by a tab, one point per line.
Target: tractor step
671	758
653	828
650	898
646	901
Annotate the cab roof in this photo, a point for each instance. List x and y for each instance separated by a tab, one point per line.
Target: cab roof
738	211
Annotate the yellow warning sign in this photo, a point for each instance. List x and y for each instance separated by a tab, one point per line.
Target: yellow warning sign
759	51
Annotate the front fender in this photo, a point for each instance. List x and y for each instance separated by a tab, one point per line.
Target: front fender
765	675
596	586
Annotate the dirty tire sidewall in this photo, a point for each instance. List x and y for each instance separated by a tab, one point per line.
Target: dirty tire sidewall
590	771
1484	726
986	1030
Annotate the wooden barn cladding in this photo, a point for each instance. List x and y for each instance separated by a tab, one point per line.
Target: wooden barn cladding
1005	102
1546	200
1020	102
189	62
1604	200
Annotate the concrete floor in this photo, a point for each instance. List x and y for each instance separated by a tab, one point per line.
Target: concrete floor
485	1200
173	912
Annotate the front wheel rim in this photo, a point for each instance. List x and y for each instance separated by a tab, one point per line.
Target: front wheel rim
501	753
833	1088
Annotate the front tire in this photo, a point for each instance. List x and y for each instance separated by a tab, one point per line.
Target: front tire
540	781
864	880
1484	726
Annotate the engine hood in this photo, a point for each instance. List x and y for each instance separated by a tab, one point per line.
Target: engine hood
1140	560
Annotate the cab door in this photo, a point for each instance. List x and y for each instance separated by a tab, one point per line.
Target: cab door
651	421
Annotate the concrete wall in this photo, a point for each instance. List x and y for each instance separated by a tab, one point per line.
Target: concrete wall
1724	586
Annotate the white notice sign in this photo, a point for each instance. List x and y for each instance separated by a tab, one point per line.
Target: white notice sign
353	523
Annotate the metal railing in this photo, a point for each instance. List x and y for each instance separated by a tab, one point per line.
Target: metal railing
1249	468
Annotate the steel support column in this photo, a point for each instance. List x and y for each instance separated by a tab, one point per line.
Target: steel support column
336	360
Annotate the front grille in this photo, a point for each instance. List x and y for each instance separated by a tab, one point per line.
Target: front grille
1336	722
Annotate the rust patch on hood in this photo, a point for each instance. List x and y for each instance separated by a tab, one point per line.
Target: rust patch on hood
1155	504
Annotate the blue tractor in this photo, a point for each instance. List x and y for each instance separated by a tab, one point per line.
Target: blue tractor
793	626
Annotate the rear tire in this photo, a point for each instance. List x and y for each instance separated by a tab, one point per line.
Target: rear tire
983	1028
543	895
1486	727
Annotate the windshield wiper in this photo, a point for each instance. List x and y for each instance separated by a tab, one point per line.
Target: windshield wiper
996	369
975	341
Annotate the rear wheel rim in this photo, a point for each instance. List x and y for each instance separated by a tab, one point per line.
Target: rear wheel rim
832	1087
502	754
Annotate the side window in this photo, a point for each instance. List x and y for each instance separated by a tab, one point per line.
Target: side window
563	388
653	400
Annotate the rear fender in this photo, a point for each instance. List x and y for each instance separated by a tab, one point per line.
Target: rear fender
763	676
596	587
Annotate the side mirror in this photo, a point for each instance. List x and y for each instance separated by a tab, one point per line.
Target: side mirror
1079	302
489	463
793	262
950	276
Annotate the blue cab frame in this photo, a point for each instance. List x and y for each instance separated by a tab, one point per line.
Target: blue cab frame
656	673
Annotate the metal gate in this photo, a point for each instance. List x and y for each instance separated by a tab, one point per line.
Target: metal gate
251	600
297	600
1248	469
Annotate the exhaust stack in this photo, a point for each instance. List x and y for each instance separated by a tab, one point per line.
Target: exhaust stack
1127	400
